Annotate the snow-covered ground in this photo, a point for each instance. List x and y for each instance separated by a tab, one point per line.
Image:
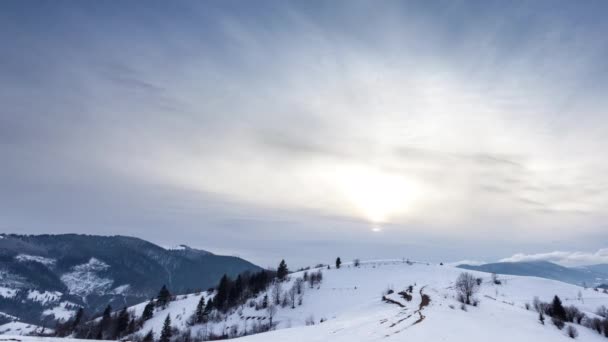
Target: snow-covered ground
349	301
36	258
19	329
44	297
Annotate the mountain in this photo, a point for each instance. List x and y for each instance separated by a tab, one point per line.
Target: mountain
47	277
589	275
367	303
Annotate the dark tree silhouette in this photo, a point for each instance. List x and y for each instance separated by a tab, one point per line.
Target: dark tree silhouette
148	311
122	323
199	314
282	271
166	333
149	337
557	309
164	296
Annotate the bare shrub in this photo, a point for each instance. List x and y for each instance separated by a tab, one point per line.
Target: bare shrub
558	323
466	286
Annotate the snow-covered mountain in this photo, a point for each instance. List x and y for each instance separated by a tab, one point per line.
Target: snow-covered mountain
44	278
393	301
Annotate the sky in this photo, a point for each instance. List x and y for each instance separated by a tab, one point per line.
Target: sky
432	130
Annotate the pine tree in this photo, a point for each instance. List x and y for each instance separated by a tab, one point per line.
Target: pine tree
132	326
282	271
166	333
338	262
77	319
223	290
104	324
122	323
164	296
238	286
149	337
557	309
148	311
199	315
207	310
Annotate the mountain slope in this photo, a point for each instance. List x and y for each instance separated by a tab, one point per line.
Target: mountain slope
48	276
590	275
349	304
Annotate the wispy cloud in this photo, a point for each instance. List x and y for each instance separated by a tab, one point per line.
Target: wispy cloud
453	119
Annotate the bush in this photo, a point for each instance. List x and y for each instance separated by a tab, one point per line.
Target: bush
558	323
572	332
466	286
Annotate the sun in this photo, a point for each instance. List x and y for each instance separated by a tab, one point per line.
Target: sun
376	195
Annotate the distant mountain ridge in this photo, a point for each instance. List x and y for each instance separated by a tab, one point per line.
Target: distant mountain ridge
46	277
593	275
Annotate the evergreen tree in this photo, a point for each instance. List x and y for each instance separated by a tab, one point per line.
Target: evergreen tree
148	311
149	337
338	262
122	323
164	296
207	310
199	315
223	290
238	288
132	326
557	309
77	319
105	323
166	333
282	271
265	302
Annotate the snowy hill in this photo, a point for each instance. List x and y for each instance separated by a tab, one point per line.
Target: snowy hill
349	303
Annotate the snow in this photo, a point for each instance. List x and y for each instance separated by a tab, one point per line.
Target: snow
36	258
84	280
44	297
349	302
180	310
19	328
7	292
11	317
121	289
62	312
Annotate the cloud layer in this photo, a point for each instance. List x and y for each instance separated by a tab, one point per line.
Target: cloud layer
440	123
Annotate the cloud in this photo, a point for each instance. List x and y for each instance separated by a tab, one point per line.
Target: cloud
213	110
563	258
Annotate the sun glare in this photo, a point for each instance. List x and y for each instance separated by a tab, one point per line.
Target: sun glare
376	195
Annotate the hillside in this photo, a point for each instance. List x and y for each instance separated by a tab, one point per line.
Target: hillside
349	303
47	277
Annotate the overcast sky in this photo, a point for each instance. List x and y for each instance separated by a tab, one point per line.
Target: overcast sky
303	130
